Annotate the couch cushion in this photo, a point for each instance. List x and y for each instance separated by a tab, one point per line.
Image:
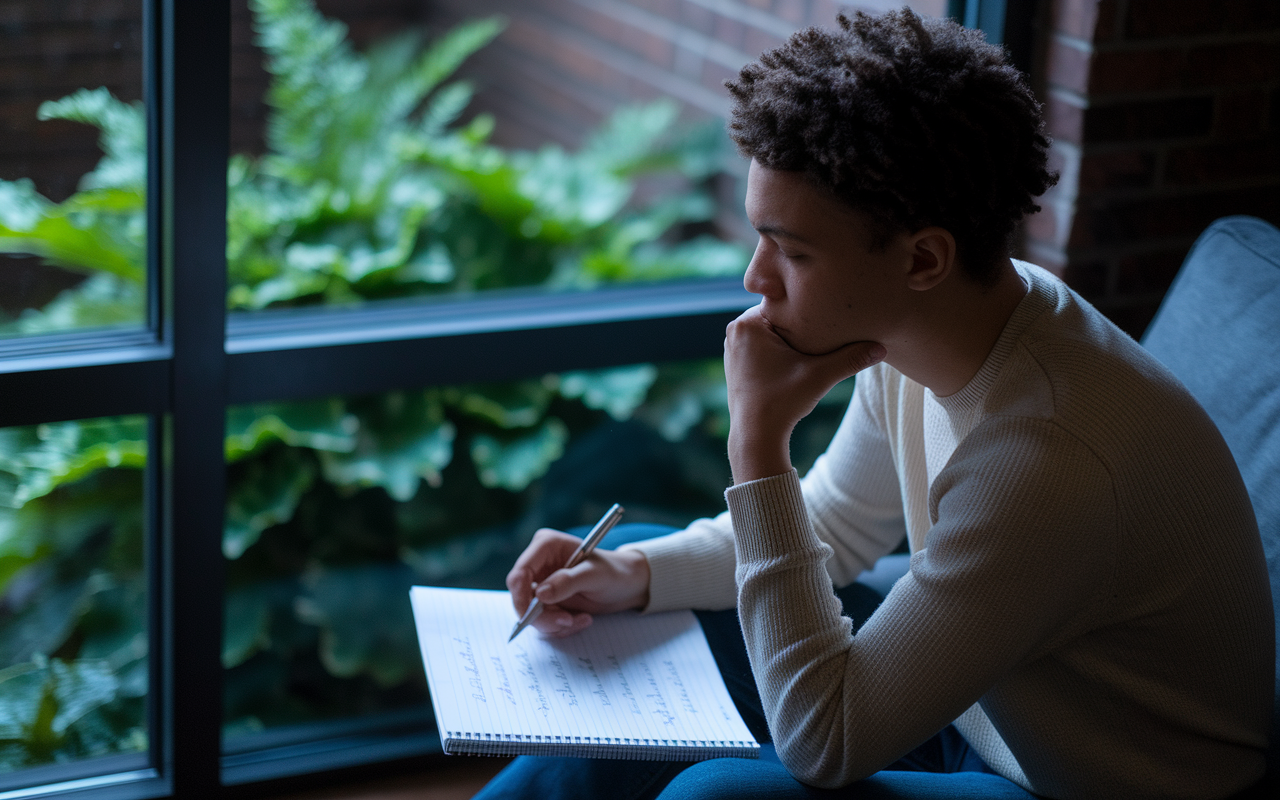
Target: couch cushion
1218	330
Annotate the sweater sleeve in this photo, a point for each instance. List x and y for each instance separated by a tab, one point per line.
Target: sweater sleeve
851	495
1021	546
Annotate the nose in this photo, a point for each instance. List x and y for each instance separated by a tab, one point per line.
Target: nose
762	275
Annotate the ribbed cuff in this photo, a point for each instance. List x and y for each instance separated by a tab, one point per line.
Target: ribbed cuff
688	570
770	519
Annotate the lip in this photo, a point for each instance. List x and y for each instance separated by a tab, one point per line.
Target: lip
772	324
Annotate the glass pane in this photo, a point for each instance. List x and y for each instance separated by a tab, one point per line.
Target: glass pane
73	593
72	167
362	169
337	506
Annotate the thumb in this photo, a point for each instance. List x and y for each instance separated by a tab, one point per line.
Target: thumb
846	361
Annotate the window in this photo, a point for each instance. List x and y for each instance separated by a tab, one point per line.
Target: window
235	417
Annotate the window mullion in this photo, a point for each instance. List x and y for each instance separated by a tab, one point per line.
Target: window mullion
194	108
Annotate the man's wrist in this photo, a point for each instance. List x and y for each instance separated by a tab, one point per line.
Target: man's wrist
755	457
636	564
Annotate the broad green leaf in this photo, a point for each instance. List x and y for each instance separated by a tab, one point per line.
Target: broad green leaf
445	107
314	424
619	391
21	208
519	404
513	462
22	690
247	623
263	492
84	239
80	687
683	396
36	459
445	55
365	620
403	439
459	556
629	135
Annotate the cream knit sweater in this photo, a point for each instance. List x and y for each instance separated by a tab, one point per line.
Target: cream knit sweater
1087	599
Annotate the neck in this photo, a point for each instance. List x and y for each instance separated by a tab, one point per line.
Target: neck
944	344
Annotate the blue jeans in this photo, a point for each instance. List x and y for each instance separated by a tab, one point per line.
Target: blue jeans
943	767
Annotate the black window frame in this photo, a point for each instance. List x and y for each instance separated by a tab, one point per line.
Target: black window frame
194	359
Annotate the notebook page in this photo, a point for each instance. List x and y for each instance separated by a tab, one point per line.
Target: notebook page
629	678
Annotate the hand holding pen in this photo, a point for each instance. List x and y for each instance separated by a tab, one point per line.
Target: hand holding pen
558	583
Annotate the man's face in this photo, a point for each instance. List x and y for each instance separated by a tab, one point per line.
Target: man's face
823	286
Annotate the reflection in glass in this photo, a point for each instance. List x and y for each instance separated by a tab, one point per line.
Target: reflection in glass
73	178
337	506
369	183
73	598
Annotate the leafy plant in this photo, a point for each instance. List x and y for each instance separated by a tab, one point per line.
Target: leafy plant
371	187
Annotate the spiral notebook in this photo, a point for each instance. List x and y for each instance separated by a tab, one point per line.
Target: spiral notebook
630	686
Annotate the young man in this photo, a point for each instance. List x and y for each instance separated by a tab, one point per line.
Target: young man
1087	612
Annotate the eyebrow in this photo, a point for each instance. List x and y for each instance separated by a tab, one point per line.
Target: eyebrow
774	230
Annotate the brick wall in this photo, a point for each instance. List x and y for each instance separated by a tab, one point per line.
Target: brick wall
47	51
1166	115
562	65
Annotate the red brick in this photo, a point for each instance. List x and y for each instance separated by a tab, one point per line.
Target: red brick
696	18
1144	273
663	8
1234	64
1064	120
1089	278
604	26
822	13
1174	118
1076	18
756	41
28	13
1223	163
1133	317
1148	19
1042	227
714	75
1240	114
1126	169
1055	262
655	49
1136	220
792	11
1067	67
728	31
1136	71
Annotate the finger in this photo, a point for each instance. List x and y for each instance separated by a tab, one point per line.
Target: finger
555	619
563	584
547	552
843	362
520	584
578	623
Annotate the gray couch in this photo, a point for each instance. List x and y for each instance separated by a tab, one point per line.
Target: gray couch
1218	330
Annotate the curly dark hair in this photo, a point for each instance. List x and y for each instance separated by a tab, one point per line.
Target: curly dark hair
913	121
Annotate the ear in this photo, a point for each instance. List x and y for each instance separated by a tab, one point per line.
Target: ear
933	257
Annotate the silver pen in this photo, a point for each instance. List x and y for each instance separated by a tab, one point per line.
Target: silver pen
592	539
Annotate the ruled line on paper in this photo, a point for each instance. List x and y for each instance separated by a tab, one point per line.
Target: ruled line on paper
631	679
